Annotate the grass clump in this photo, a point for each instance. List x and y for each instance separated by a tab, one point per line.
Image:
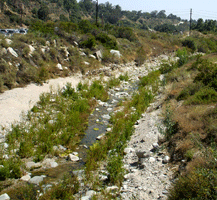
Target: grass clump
124	77
64	190
115	169
199	184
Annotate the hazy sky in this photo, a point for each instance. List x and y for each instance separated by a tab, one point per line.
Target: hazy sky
206	9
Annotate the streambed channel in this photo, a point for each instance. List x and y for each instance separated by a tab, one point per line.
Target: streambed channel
98	125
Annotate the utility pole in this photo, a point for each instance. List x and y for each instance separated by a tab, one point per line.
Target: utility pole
97	9
190	21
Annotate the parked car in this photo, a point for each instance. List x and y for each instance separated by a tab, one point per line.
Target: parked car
3	31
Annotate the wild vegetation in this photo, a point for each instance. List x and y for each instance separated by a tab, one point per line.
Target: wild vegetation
190	121
60	118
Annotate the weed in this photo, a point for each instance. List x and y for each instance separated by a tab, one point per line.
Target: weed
171	127
64	190
115	169
183	56
199	184
124	77
204	96
113	82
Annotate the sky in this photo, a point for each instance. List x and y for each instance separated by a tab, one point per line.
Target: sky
205	9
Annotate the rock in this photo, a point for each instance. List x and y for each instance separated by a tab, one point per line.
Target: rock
36	180
5	145
6	156
92	56
115	53
73	158
128	150
100	136
86	63
75	44
152	159
82	54
53	164
106	117
109	129
98	55
4	197
112	188
166	159
47	43
49	163
32	49
3	51
88	195
25	178
62	148
155	145
103	177
12	52
140	154
59	66
54	43
33	165
8	41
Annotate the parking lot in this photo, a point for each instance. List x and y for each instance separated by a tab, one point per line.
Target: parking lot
12	31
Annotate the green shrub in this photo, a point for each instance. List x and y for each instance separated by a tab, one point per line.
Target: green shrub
125	32
140	56
190	43
64	190
167	67
85	26
124	77
207	74
204	96
69	27
90	42
151	79
189	91
171	127
115	169
98	91
107	41
183	56
113	82
199	184
70	92
11	169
